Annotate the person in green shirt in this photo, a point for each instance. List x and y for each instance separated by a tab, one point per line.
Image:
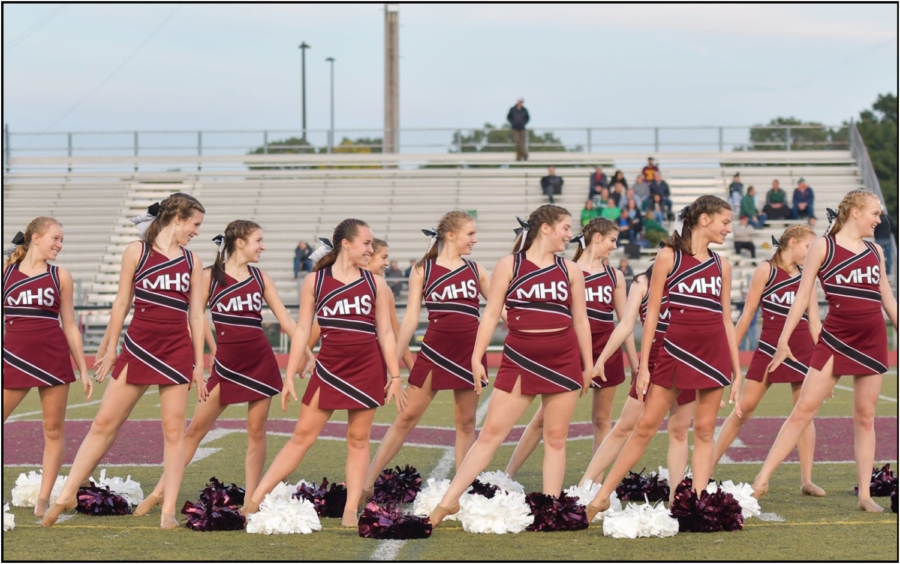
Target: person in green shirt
588	213
748	208
611	211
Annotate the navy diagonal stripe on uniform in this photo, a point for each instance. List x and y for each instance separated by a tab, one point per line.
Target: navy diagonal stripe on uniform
320	281
447	364
337	291
8	274
444	278
158	299
452	307
345	388
145	255
245	381
595	276
682	300
553	376
54	274
156	364
29	312
561	263
153	270
676	264
229	289
859	357
347	324
769	351
30	369
8	291
605	316
473	267
427	267
691	271
549	307
517	264
832	271
697	364
522	280
370	280
189	257
236	320
783	284
851	292
257	274
829	253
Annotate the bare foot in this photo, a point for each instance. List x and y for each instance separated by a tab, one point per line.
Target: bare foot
364	497
249	508
440	512
55	510
869	506
760	490
41	507
350	520
592	509
149	503
168	521
810	488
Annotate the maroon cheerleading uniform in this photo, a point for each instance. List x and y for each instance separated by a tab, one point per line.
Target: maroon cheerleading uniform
350	370
662	324
245	368
538	298
854	331
695	352
452	301
35	350
781	289
598	293
158	338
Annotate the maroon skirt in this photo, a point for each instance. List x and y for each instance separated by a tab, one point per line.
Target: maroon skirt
36	359
548	363
614	366
789	371
447	356
245	371
684	398
350	376
156	354
858	344
693	357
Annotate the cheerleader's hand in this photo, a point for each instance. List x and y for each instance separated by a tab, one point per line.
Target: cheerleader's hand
480	376
643	384
599	371
287	391
587	379
735	394
200	382
781	353
88	385
394	390
310	366
107	363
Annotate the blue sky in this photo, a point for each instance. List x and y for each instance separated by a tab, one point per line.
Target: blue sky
238	66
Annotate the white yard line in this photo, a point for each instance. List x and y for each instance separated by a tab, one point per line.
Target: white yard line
389	549
849	389
17	416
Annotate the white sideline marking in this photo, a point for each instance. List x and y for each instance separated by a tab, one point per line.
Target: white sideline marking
213	435
771	517
16	416
389	549
848	389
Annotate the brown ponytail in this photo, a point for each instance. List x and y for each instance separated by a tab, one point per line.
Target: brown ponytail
347	229
853	199
709	205
36	226
177	205
548	213
450	223
793	232
237	229
599	225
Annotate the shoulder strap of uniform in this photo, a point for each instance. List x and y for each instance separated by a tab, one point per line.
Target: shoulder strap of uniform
145	254
472	266
428	265
676	262
829	253
54	275
772	273
611	272
561	263
320	281
8	273
717	259
189	257
871	246
257	274
370	280
213	285
517	264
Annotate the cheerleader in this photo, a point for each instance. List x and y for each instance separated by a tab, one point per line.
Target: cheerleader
353	309
244	369
165	281
680	413
696	354
450	286
604	292
36	349
548	331
853	341
775	283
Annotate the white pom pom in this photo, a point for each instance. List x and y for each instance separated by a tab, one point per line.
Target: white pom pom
280	516
501	480
585	494
25	492
640	521
663	474
127	488
743	493
430	496
506	512
9	520
282	491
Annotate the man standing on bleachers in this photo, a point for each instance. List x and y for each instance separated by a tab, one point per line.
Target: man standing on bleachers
551	185
803	202
598	181
518	118
735	191
776	203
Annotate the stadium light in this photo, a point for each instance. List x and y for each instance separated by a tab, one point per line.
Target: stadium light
303	47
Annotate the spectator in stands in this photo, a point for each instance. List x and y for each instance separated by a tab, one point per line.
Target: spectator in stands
412	265
650	170
620	178
735	191
551	185
625	226
748	208
618	194
655	205
630	195
749	342
518	118
661	187
641	188
776	203
652	225
394	277
589	212
598	181
803	201
301	259
884	236
627	272
611	211
635	220
600	201
743	236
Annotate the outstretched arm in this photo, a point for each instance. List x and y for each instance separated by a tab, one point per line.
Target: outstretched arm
751	304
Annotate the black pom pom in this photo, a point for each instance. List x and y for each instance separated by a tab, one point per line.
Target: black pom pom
707	513
552	513
329	502
216	510
390	523
234	494
883	482
397	485
100	502
487	490
636	487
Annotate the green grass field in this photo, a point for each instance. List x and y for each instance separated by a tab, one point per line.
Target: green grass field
813	529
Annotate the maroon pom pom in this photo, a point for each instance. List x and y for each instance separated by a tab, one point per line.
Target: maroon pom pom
636	487
329	502
883	482
397	485
708	513
234	494
552	513
487	490
97	502
390	523
202	516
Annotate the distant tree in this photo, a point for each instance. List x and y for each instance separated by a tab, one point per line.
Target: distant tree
878	128
297	145
773	136
499	140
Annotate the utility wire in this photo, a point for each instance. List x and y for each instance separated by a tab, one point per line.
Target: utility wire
41	23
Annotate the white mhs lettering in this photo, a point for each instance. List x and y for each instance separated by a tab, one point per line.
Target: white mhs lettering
711	285
251	302
558	291
463	290
171	282
871	275
602	295
42	297
786	298
360	305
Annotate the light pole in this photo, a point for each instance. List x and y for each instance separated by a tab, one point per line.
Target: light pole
303	47
331	132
